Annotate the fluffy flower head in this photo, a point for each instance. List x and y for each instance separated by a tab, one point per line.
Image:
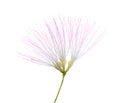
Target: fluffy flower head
61	41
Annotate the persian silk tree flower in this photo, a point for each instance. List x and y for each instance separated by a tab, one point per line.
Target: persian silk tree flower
60	42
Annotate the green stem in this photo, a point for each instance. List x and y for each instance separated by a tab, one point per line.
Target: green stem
63	76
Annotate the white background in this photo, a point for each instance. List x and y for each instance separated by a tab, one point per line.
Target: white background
94	78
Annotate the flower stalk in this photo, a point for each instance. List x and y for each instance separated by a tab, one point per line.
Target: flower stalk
63	77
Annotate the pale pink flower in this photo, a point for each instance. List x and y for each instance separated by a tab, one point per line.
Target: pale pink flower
60	42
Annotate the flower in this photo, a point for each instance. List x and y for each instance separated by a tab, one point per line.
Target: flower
61	42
